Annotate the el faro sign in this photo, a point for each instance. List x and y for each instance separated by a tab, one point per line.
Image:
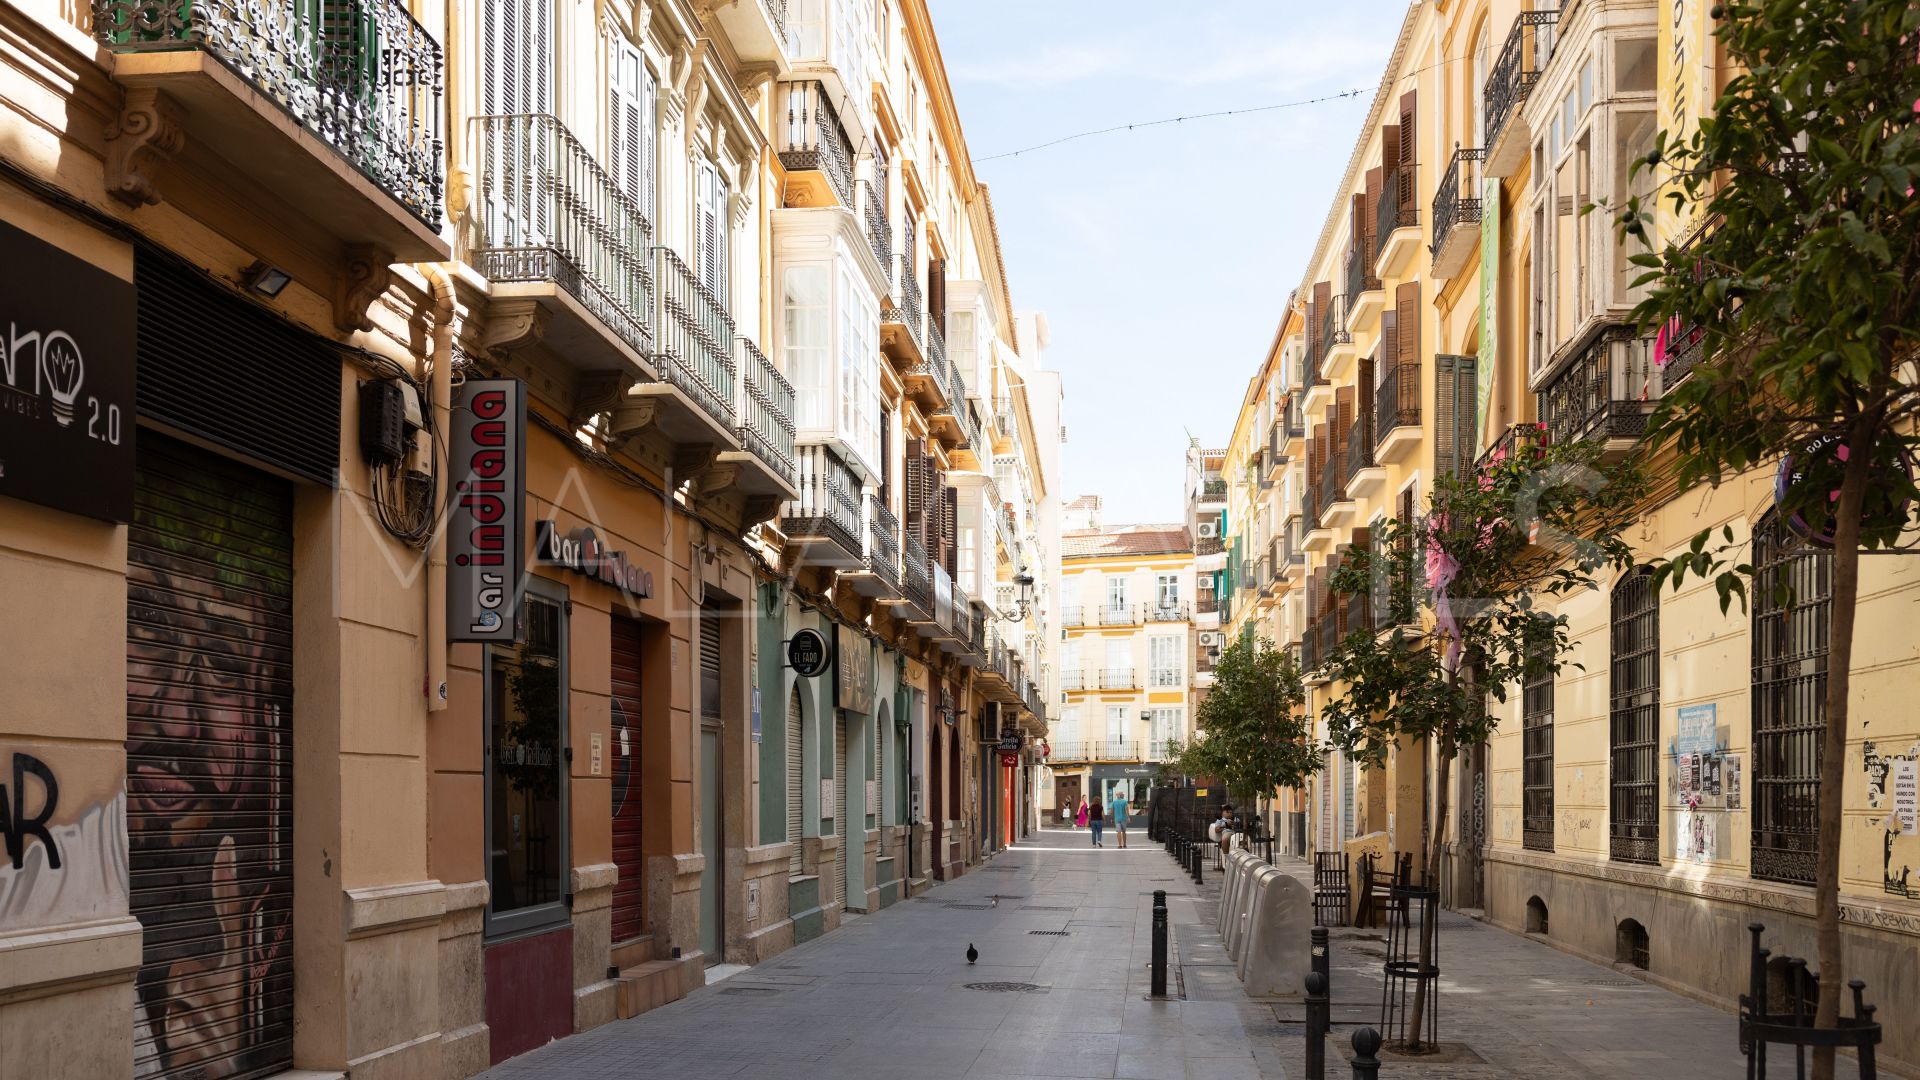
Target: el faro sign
487	455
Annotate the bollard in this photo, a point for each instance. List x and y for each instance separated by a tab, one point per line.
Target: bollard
1318	1010
1366	1042
1159	988
1198	861
1321	958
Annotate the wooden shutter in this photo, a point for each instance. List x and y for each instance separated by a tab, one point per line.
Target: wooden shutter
1372	216
1389	341
710	230
1454	440
1311	362
517	73
1363	416
950	529
915	497
937	293
1409	133
1389	160
1322	300
629	121
1407	320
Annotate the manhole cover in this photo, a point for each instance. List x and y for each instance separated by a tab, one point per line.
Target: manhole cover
750	991
1048	933
1006	987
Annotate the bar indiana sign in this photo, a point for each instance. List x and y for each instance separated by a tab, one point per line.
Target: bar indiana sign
487	453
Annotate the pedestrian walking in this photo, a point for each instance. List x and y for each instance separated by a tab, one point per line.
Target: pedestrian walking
1093	819
1117	809
1080	819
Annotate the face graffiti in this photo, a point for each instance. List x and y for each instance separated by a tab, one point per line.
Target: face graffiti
209	820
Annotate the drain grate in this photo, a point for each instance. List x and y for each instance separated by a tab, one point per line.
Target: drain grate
1007	896
1048	933
1622	984
969	907
1007	987
750	991
1043	907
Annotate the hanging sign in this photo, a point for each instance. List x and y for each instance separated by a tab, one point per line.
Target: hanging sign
583	552
487	456
853	689
807	654
1819	463
66	380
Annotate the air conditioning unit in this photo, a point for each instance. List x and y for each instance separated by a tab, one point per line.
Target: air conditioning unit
1210	638
1209	530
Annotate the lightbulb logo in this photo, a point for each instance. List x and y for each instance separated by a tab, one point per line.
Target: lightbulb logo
64	371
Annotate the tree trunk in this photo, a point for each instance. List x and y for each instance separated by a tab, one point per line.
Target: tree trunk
1833	750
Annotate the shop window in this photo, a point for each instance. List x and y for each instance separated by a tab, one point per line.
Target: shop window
526	707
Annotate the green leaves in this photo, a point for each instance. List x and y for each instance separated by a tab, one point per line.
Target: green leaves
1253	733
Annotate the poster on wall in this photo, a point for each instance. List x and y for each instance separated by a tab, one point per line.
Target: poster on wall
1904	780
487	457
1730	780
66	380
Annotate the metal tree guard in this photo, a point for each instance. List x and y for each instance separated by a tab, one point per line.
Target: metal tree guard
1785	1014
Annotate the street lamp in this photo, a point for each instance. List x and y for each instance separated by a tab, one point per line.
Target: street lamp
1019	613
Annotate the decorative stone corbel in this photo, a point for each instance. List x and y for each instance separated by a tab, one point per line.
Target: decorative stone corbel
596	392
718	479
149	130
759	510
633	415
692	460
513	324
368	273
459	191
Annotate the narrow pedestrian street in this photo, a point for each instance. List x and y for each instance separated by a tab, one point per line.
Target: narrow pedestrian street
1064	934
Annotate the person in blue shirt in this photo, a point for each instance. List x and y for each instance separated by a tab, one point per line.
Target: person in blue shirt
1117	810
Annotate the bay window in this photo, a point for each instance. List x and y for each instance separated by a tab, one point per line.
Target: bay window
830	331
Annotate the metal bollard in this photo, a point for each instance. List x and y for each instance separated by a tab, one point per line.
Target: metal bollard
1318	1010
1159	988
1366	1042
1199	860
1321	957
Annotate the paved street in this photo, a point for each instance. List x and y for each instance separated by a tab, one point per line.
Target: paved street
892	996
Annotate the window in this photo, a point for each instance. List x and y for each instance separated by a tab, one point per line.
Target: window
969	523
1164	727
1633	139
1069	728
963	345
1789	700
807	310
1116	730
859	366
517	72
711	231
1477	92
1120	656
1116	593
1633	814
1165	656
1167	591
630	118
526	767
1536	778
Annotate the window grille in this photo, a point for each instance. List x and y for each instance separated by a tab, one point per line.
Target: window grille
1789	700
1633	817
1537	751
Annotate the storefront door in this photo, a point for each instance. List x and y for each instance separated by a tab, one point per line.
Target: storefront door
210	763
630	892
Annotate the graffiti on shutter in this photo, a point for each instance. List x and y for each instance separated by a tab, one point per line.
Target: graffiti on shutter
630	892
209	764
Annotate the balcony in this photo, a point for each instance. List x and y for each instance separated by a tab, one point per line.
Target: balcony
1518	440
1606	392
1337	349
880	578
903	327
1207	604
1396	226
916	580
1526	51
757	30
825	521
1365	296
1365	475
873	210
814	147
1456	213
1074	615
1118	679
360	81
1074	680
765	459
562	243
1396	412
1120	616
1208	545
693	356
1168	613
1095	750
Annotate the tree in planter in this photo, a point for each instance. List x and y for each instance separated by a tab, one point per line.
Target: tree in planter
1523	529
1251	732
1795	309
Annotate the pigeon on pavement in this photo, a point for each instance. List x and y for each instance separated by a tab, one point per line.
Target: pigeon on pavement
972	953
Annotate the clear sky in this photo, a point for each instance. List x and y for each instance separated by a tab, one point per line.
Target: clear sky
1161	256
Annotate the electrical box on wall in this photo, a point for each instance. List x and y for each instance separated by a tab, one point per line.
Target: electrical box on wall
383	420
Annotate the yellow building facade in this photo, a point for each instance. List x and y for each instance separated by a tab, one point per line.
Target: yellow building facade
1657	795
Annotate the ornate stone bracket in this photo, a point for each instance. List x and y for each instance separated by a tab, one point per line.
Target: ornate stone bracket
513	324
633	415
149	130
718	479
595	392
692	460
759	510
369	272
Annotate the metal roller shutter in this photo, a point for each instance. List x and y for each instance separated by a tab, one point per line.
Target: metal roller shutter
630	892
796	773
209	763
843	822
709	663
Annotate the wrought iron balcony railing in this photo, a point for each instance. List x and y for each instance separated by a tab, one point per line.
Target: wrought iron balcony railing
695	347
910	312
814	140
1333	330
883	541
873	207
1397	208
1167	613
1095	750
1360	257
777	11
1526	51
916	574
766	409
1208	604
546	211
962	622
1118	679
1607	391
1360	443
1208	545
1518	440
1396	399
361	75
1457	200
829	502
1213	490
1073	680
1119	616
1074	615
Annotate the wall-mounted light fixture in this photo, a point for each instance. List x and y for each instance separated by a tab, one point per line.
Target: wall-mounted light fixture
1024	581
265	280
